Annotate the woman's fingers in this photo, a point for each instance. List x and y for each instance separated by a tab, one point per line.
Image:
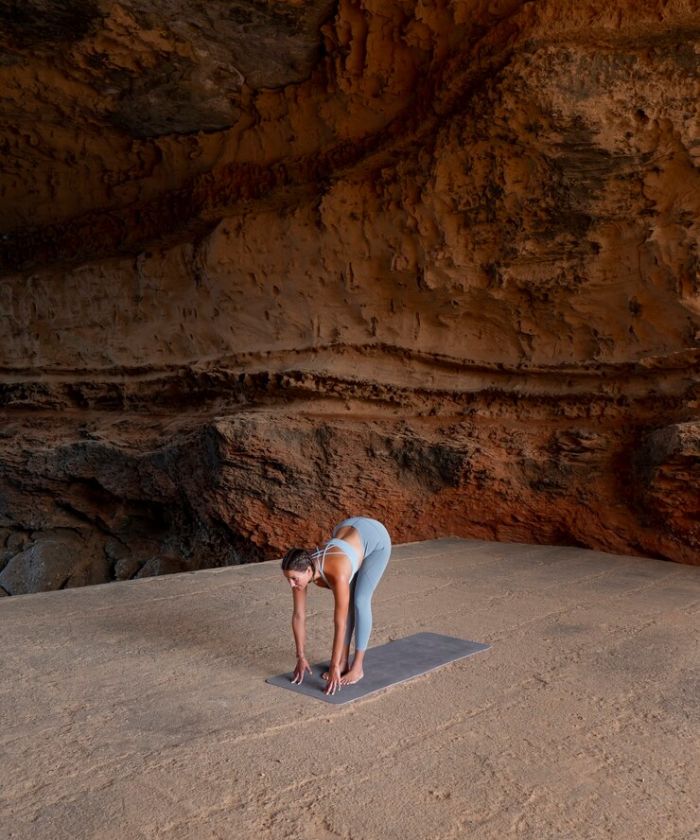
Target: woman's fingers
334	681
299	672
302	667
333	685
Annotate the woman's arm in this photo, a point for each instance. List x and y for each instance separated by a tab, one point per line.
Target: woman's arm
341	593
299	630
299	620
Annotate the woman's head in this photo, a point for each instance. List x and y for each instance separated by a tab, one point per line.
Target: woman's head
298	567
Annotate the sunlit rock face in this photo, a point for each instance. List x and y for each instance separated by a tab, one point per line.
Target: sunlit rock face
265	265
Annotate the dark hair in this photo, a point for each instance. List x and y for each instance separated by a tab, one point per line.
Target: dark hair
298	560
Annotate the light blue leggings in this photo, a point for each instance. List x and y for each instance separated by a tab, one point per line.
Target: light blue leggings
377	550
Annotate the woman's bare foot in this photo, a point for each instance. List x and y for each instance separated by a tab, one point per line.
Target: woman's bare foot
352	676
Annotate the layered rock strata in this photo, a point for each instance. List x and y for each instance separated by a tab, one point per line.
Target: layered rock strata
267	264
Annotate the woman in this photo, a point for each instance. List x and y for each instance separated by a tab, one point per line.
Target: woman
351	563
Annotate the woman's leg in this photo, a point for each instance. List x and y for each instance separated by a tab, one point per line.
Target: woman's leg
367	578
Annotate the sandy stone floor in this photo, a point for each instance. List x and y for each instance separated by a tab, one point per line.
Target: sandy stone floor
140	709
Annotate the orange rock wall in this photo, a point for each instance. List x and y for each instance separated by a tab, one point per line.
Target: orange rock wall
463	242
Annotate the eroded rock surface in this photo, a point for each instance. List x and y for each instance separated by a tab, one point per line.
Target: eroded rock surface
268	264
53	561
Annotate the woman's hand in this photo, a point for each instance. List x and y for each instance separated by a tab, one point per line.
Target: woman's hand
333	680
301	667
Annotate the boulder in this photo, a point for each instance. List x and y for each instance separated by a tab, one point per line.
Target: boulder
163	565
52	562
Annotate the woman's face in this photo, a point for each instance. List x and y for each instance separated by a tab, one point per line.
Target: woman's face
298	580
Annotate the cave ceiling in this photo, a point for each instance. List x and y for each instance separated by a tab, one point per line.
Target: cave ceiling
161	67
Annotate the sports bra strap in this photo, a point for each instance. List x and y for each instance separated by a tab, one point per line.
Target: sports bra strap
323	560
323	556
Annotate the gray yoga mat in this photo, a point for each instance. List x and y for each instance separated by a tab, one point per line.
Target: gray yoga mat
385	665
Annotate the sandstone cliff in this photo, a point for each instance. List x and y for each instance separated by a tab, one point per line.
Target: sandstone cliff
267	264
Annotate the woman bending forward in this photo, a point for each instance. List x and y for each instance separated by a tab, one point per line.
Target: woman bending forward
351	563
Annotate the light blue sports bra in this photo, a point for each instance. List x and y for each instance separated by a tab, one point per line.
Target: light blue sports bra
347	548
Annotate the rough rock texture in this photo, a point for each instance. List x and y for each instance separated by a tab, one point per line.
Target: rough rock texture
54	560
266	264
